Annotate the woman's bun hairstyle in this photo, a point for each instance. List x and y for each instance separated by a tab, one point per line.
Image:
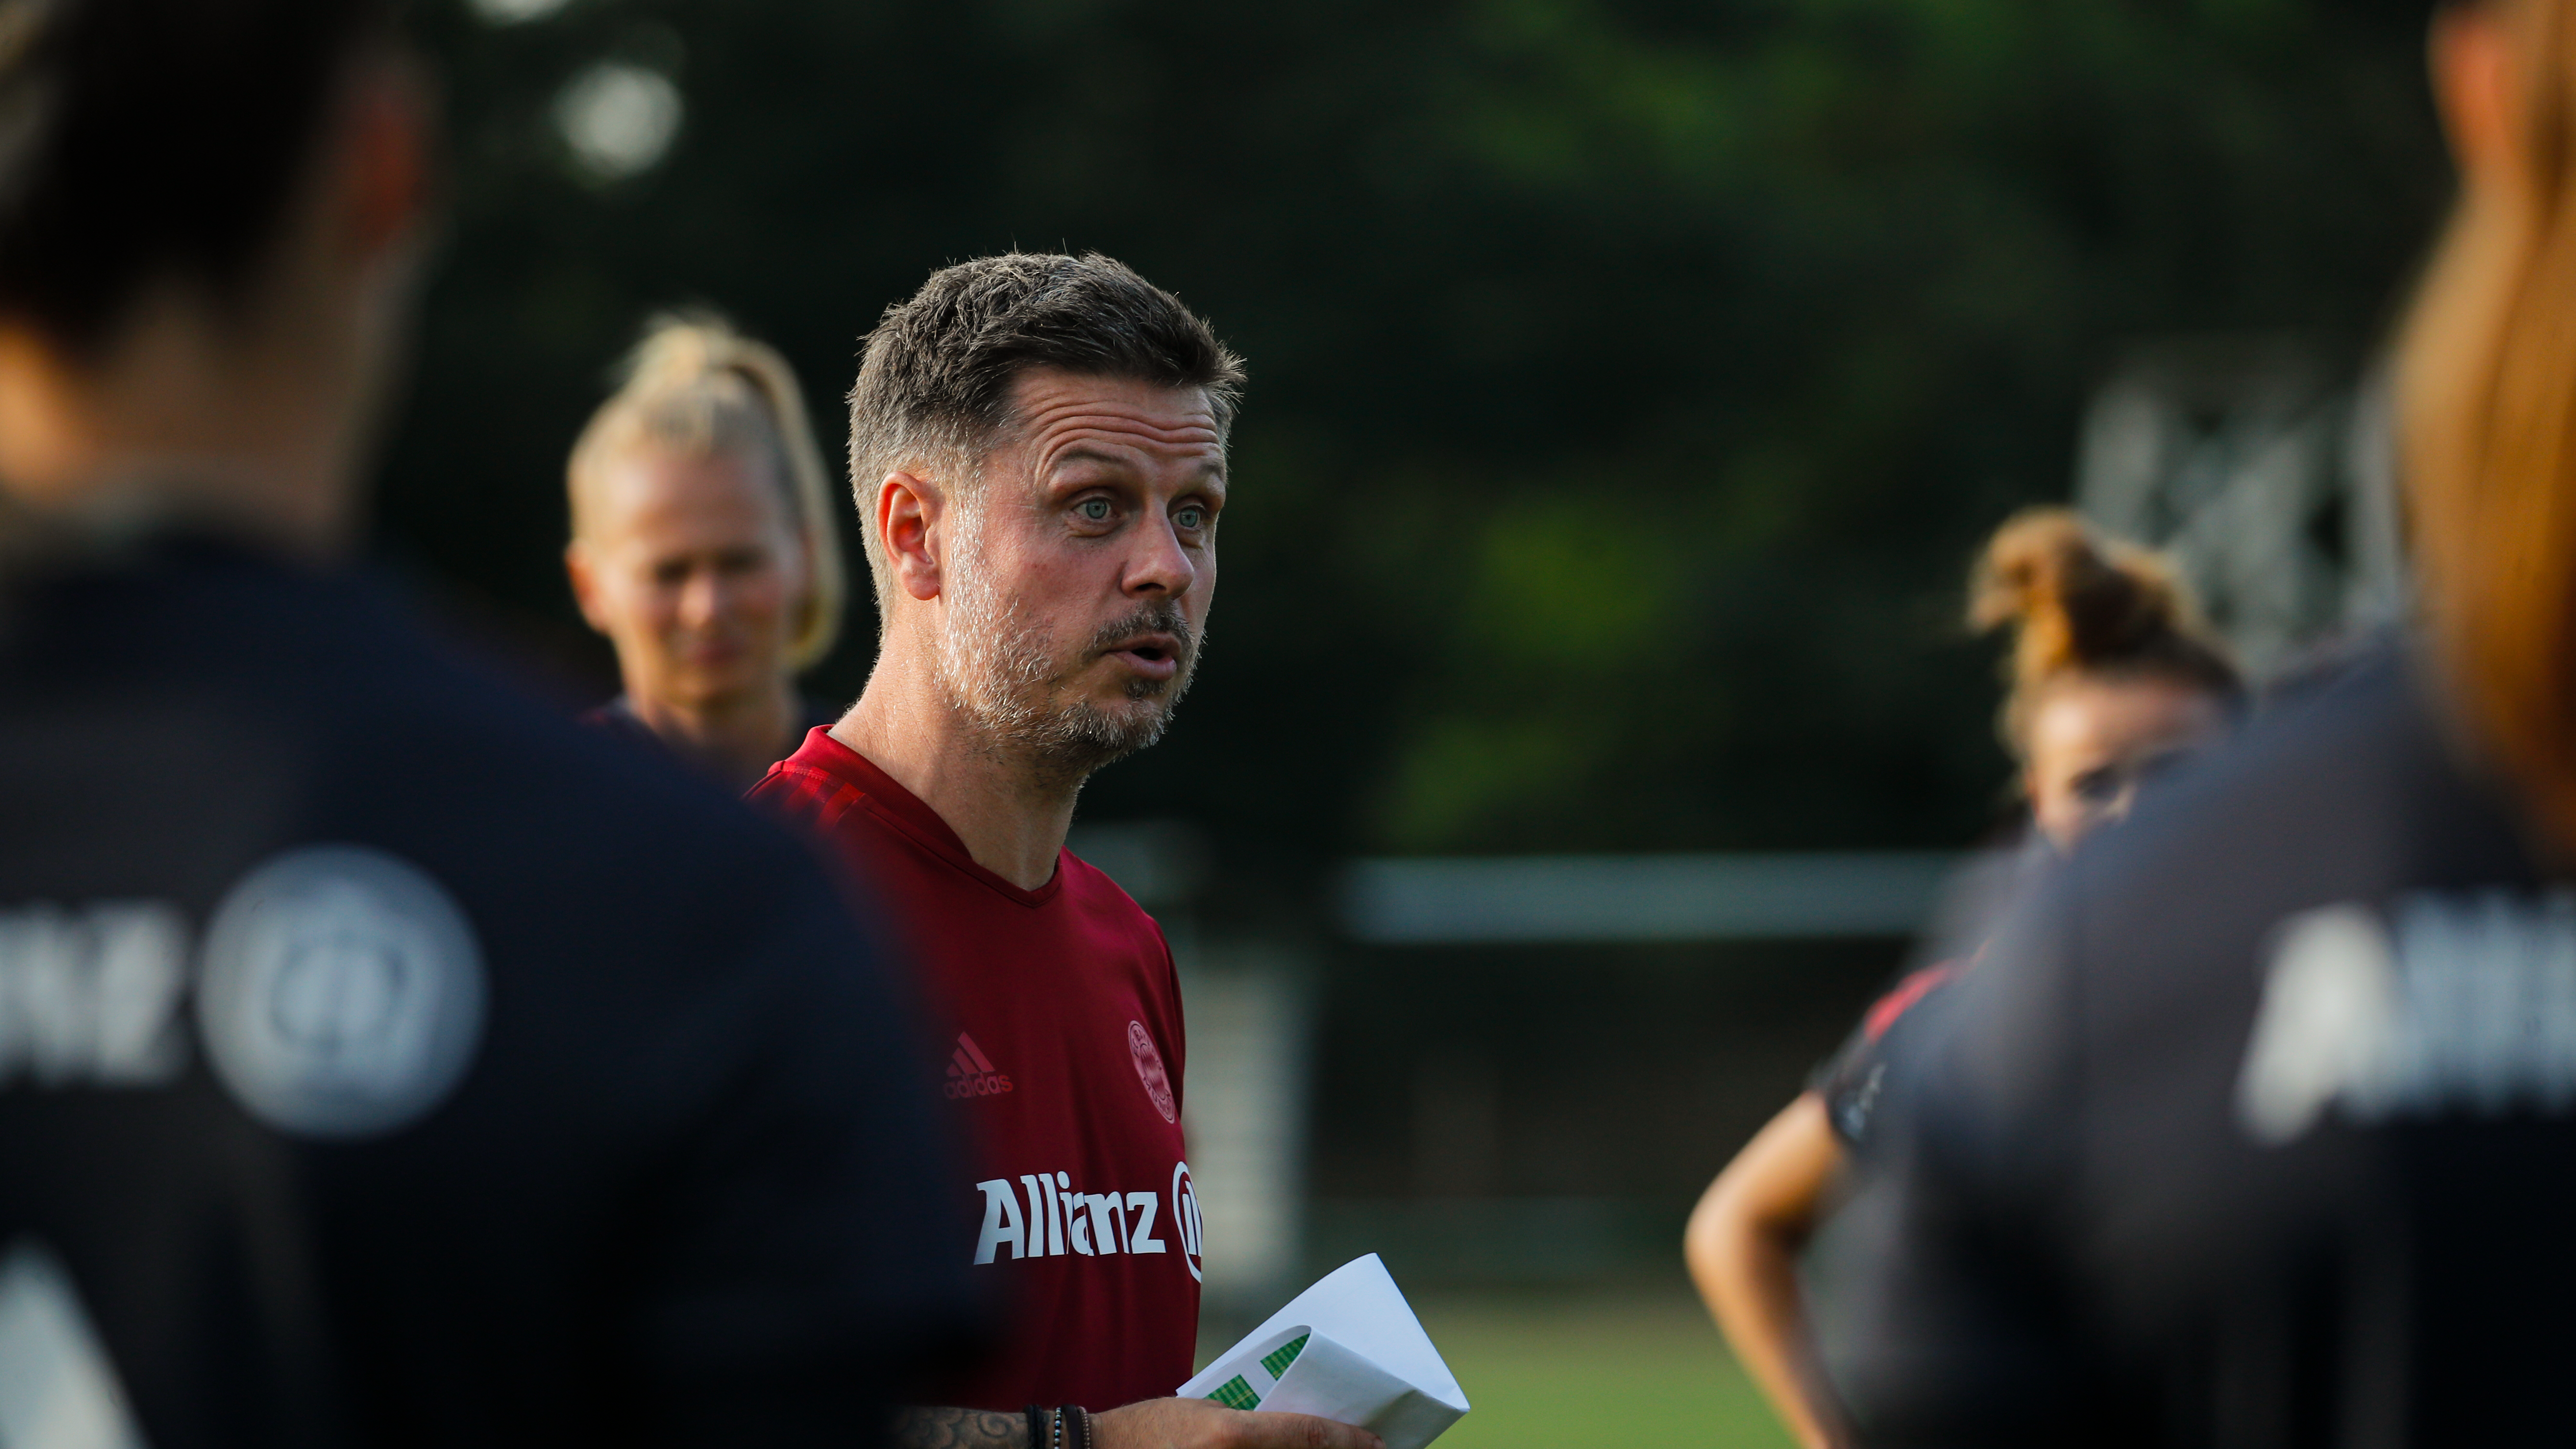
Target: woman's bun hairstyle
695	387
2081	605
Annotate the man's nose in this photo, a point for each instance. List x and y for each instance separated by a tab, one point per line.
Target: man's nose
1163	566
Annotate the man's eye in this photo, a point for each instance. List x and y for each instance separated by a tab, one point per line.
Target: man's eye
1094	509
1191	518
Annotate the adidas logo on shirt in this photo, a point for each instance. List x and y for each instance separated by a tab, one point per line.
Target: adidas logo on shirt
971	1074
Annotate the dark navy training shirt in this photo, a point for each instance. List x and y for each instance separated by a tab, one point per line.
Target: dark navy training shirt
383	1061
2256	1125
1853	1081
618	719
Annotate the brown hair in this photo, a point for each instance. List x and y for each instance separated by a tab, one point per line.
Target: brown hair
2486	383
935	385
696	387
2082	606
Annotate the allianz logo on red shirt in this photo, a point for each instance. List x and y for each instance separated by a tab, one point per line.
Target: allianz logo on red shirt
971	1074
1059	1219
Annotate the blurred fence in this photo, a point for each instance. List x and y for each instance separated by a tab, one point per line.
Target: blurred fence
1575	898
1513	1069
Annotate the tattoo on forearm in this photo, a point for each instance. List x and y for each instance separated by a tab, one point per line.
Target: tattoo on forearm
960	1429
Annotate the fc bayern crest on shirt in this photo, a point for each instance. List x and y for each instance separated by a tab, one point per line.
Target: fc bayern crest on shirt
1149	1070
342	993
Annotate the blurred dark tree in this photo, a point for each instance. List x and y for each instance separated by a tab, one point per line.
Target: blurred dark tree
1632	379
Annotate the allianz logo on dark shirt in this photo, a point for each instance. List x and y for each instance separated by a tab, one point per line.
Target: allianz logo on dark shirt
2452	1003
338	991
91	995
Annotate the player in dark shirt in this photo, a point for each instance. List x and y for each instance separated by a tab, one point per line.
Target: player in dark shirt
2257	1126
2250	1129
2112	676
381	1062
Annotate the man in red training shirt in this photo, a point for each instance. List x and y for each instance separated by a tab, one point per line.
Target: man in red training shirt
1037	445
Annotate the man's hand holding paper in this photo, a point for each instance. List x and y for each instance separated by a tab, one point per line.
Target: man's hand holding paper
1195	1423
1349	1350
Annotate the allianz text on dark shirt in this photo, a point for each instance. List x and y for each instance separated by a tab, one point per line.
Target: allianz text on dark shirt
382	1061
2257	1125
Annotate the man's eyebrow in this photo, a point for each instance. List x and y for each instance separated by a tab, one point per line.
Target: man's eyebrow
1080	453
1084	453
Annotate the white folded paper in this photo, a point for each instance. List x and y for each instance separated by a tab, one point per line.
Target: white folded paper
1347	1349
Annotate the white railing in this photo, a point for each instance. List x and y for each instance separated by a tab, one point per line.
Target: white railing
1560	899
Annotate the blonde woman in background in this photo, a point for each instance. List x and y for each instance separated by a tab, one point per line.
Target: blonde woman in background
703	547
2112	675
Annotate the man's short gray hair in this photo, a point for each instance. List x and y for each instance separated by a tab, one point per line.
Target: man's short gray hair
934	386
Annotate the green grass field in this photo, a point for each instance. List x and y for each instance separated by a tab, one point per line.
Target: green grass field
1573	1372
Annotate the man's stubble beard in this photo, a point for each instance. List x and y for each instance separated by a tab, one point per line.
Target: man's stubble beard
996	669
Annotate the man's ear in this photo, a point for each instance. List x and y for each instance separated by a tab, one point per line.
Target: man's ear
384	154
2477	89
578	567
911	524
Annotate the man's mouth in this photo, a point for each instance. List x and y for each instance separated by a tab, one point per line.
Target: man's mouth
1155	656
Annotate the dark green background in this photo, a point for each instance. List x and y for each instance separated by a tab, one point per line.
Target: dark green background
1632	381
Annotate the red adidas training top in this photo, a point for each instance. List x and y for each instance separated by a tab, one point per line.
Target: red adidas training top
1067	1062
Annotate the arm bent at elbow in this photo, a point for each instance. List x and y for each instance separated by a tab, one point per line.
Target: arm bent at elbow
1743	1244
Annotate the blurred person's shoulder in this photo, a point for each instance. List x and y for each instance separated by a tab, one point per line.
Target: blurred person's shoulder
1117	928
1096	892
865	819
2281	1020
2349	785
2133	966
826	785
318	706
2108	1024
1979	891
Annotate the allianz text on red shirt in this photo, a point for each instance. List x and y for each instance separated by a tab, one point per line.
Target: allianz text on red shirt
1067	1064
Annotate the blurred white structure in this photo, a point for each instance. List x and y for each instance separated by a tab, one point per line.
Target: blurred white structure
1243	1099
1251	1022
1561	899
2270	478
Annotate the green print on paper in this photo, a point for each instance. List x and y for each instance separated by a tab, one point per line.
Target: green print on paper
1277	1360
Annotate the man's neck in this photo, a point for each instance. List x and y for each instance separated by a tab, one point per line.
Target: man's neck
737	736
1011	812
